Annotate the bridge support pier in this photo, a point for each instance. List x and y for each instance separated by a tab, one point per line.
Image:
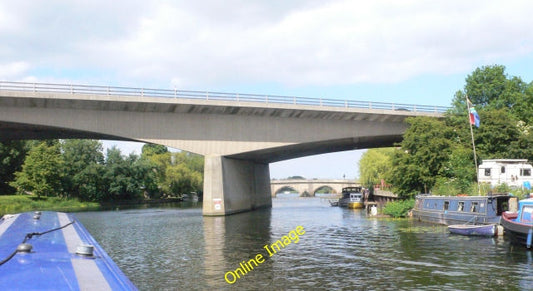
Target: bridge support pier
232	186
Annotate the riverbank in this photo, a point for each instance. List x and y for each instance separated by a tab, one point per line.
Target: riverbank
23	203
10	204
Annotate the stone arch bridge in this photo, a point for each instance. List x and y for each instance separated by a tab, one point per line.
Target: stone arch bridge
310	186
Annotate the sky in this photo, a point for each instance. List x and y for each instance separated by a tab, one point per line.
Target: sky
412	51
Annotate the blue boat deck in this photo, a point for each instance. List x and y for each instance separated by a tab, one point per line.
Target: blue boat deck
53	262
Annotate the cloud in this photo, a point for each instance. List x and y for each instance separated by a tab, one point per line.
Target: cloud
293	43
13	70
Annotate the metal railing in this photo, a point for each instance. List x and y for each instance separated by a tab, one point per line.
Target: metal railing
215	96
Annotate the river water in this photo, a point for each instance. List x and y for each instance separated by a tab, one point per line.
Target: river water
176	248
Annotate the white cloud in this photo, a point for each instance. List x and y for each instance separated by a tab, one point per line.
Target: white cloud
13	70
294	43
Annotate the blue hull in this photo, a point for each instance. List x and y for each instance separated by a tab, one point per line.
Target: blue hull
58	259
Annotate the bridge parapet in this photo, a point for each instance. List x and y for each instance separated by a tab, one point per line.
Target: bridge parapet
214	96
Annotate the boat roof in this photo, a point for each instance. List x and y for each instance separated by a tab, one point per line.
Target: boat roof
58	259
461	197
527	201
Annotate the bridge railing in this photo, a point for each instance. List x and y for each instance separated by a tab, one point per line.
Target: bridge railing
207	95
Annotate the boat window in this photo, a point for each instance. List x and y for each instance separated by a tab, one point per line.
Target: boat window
525	172
503	170
446	205
473	207
527	214
487	172
461	206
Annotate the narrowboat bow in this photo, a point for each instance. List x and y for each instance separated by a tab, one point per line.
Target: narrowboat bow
54	251
519	225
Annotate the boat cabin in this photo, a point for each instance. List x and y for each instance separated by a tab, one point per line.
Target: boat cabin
513	172
352	192
352	197
525	211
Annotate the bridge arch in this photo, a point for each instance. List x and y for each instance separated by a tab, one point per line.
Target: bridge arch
284	190
330	190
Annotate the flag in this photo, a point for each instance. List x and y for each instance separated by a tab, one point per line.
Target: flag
474	117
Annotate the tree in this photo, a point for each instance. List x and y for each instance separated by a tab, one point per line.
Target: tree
42	171
127	177
425	147
498	133
486	84
184	174
150	149
374	165
83	168
123	180
12	156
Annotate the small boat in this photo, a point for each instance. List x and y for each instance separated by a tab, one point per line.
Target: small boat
53	251
352	197
334	202
470	229
449	210
519	225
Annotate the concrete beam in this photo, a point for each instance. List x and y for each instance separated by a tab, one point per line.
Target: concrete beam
232	186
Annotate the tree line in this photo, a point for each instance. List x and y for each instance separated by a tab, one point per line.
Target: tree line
436	155
79	169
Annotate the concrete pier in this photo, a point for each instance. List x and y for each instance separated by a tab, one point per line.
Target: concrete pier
232	186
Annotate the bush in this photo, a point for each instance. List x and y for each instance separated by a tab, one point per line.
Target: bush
399	208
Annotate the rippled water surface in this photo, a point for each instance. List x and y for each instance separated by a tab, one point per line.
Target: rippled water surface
179	249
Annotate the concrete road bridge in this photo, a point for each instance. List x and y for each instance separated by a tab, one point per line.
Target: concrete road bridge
310	187
239	134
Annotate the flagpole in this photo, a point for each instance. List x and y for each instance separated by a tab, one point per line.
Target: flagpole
473	144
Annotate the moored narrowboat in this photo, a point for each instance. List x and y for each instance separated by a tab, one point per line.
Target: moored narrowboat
519	225
460	209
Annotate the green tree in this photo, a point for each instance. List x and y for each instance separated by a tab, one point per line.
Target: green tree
498	133
486	84
127	177
42	171
150	149
12	156
374	165
182	180
425	147
83	168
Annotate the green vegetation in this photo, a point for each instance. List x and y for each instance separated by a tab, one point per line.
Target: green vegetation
399	208
77	170
21	203
435	156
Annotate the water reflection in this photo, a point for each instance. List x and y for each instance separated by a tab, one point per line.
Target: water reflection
231	240
178	248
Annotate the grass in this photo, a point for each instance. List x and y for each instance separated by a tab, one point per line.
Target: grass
10	204
398	208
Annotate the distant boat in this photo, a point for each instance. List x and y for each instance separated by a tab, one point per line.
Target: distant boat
352	197
476	230
449	210
334	202
519	225
53	251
